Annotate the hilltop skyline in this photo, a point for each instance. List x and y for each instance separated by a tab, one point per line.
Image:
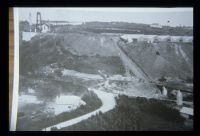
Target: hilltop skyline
163	16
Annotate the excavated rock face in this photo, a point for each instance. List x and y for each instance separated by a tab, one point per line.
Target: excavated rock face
163	59
75	50
89	44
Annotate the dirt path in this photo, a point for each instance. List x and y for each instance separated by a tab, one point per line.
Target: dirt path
131	65
108	103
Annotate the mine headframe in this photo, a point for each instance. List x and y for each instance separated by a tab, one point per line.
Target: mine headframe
38	22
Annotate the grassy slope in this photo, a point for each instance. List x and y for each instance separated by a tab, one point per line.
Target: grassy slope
54	49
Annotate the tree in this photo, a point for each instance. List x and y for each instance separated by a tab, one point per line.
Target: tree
24	26
157	53
162	79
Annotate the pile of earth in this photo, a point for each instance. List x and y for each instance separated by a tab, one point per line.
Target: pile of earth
164	59
89	52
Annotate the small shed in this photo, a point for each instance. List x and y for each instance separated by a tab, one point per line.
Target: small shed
156	39
187	39
177	39
45	28
168	39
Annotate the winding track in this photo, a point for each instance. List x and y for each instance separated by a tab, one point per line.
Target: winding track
108	103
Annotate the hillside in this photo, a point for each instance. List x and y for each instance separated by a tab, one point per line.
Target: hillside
88	53
81	52
162	59
93	68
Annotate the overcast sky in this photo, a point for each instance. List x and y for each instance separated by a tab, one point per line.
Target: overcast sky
176	16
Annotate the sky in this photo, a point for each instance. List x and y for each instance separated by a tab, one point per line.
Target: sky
176	16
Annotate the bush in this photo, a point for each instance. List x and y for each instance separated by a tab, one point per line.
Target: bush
132	114
54	129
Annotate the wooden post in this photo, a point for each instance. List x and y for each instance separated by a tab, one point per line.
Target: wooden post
164	91
179	98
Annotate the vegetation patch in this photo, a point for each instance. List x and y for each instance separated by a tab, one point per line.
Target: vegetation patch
92	103
133	114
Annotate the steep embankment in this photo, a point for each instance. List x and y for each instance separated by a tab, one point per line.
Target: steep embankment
163	59
89	44
88	53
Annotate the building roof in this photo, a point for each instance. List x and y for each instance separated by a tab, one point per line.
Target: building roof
155	24
186	110
46	24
